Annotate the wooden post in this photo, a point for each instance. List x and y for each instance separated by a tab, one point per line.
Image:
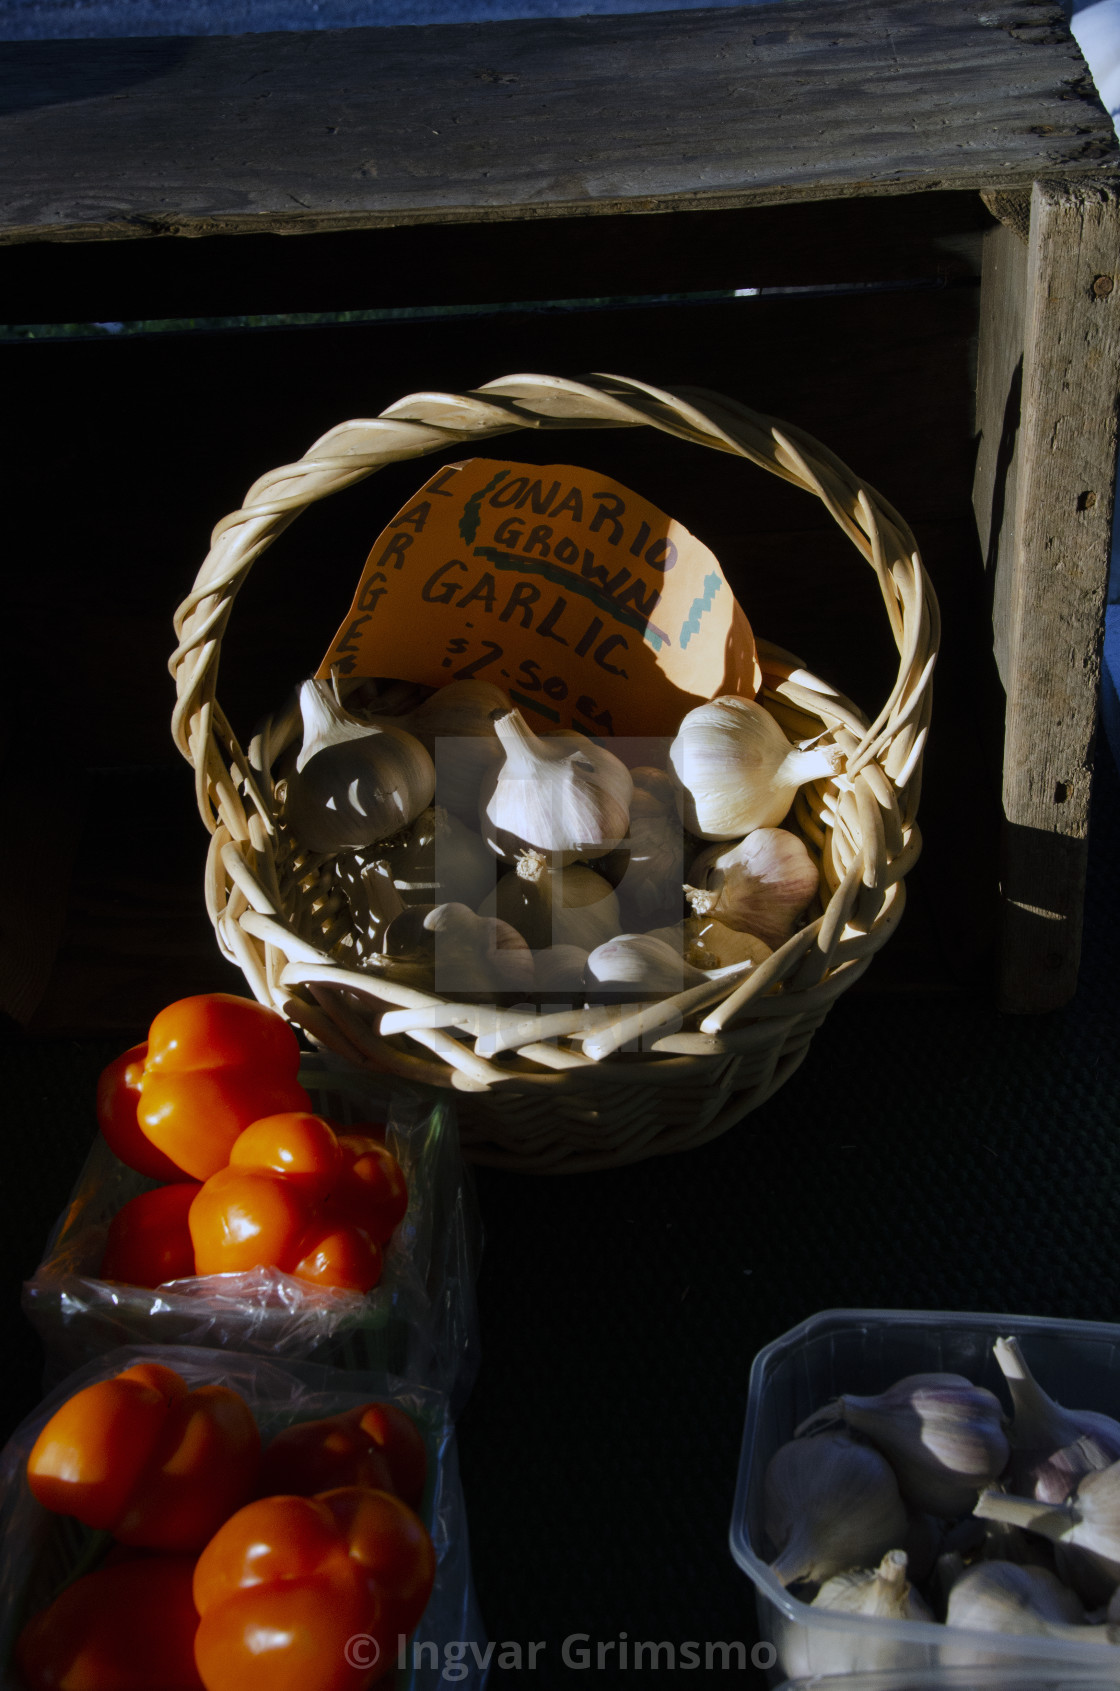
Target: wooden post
1050	330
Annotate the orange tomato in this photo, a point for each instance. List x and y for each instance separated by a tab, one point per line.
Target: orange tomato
129	1627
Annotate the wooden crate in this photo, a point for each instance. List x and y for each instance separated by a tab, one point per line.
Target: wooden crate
926	196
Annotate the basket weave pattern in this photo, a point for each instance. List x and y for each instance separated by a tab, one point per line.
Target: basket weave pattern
582	1088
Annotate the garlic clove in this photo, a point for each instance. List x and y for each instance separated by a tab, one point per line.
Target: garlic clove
641	966
761	885
829	1504
555	906
1051	1447
882	1593
942	1435
559	793
353	783
735	770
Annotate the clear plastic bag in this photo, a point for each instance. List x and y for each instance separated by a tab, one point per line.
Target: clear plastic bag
39	1551
420	1323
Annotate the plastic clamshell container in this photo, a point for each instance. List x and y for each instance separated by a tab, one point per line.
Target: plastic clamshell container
865	1351
965	1679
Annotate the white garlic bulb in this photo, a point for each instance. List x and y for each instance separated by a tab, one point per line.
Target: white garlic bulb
942	1435
760	885
649	891
559	793
353	783
555	906
882	1593
1007	1597
450	950
1085	1528
1051	1447
456	727
829	1504
735	770
708	945
439	860
641	966
559	968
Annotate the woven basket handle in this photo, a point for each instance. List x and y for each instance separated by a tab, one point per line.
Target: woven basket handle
887	751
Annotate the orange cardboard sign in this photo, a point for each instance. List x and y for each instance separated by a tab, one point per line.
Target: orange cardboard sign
588	605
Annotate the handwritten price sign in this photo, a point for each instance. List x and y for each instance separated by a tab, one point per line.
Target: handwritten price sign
591	607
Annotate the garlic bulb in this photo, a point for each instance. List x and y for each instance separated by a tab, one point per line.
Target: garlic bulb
735	770
1007	1597
440	860
559	968
456	726
353	783
452	951
572	906
560	793
1051	1447
829	1504
650	890
882	1593
1085	1528
942	1435
640	965
761	885
708	945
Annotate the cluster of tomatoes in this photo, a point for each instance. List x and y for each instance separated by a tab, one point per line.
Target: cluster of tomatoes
232	1569
211	1104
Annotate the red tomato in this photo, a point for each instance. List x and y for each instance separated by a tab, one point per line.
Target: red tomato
149	1240
375	1445
118	1096
158	1466
288	1582
129	1627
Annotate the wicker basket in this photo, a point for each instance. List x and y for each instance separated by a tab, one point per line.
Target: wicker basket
584	1089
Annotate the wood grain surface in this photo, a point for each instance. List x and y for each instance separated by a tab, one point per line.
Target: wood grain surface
1056	558
354	128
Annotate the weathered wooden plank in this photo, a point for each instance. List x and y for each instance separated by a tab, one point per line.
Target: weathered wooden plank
1058	564
805	98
